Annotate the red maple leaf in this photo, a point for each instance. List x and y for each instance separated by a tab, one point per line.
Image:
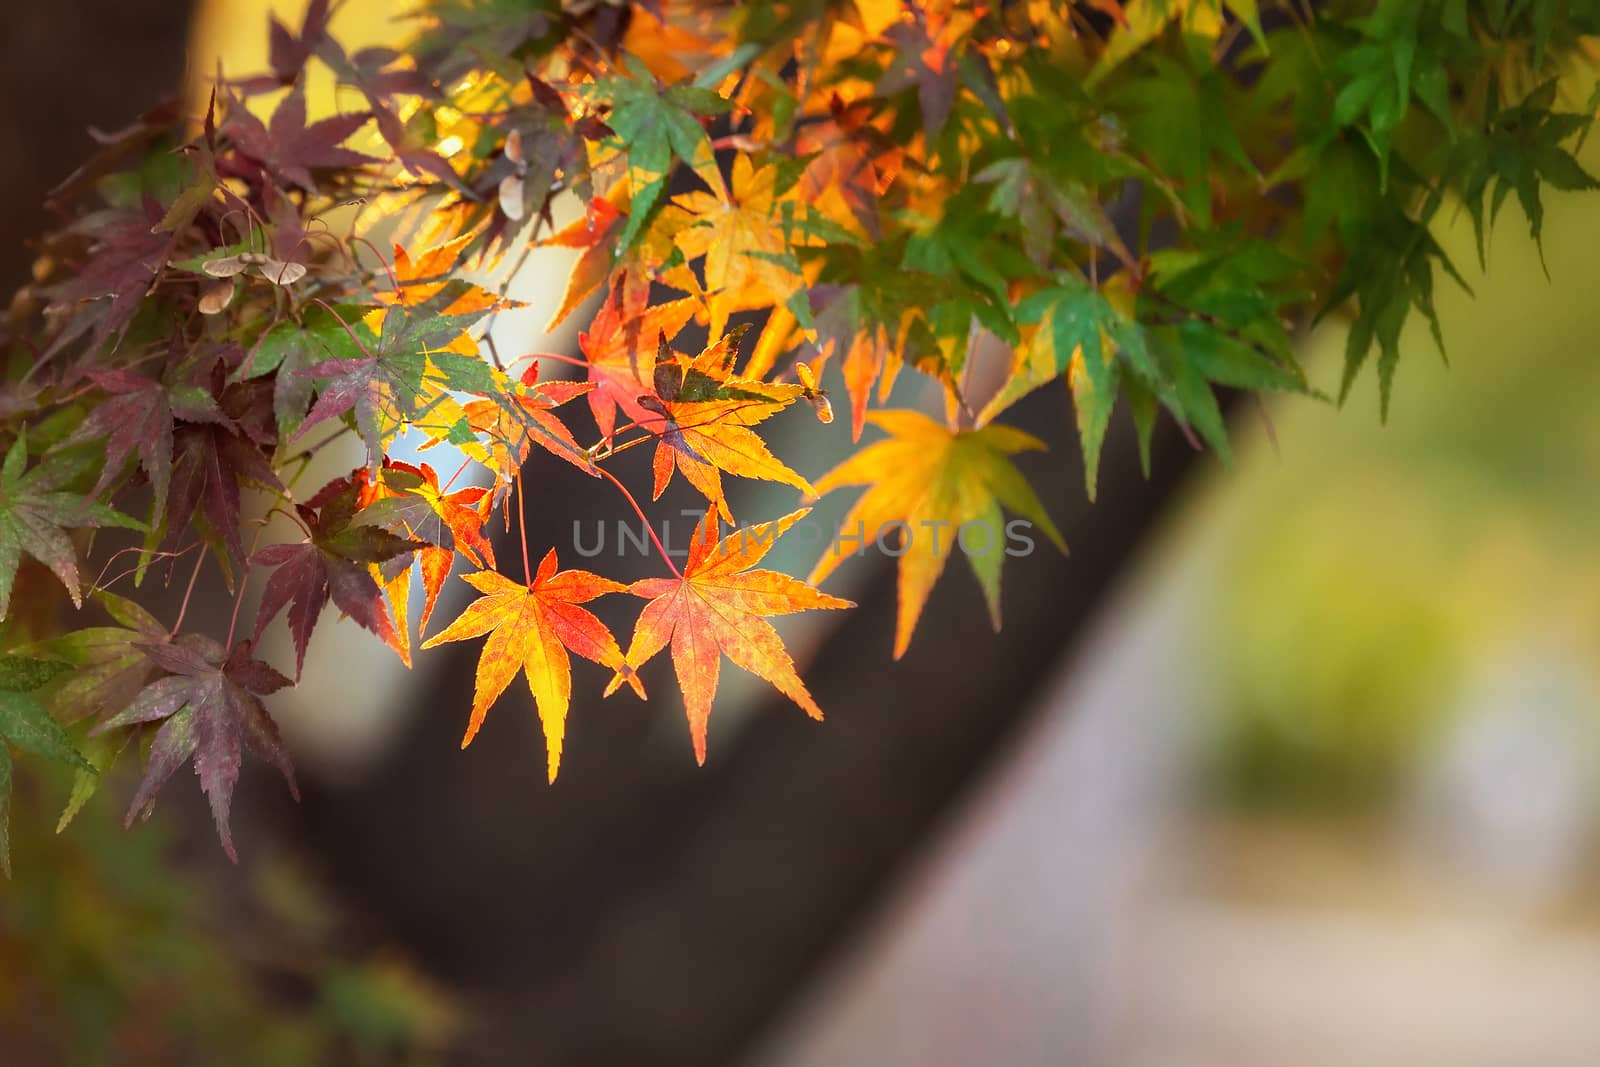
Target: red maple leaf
331	563
209	706
289	148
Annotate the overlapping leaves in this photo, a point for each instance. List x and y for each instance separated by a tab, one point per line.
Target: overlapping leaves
1144	200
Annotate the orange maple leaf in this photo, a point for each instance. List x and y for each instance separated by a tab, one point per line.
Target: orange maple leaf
531	628
620	347
718	607
853	165
596	233
445	523
511	423
420	280
927	482
748	261
702	416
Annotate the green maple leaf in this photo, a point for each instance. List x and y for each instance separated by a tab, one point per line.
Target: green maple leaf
35	516
1181	120
106	667
28	726
1519	149
1040	201
656	125
291	347
385	386
1072	317
1377	78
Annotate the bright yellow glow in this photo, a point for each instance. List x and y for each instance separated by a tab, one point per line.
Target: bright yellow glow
234	33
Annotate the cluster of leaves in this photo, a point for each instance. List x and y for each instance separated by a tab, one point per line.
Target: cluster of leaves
1144	199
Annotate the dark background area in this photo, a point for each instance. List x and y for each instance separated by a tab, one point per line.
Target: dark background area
65	66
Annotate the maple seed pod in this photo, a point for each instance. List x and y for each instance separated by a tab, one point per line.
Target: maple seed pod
281	273
511	197
224	266
273	270
822	407
817	398
512	200
216	297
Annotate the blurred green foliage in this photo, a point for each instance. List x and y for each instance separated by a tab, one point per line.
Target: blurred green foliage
115	950
1361	580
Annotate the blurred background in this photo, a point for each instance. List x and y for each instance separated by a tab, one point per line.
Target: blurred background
1292	762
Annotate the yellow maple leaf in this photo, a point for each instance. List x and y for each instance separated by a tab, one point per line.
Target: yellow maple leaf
701	418
739	235
937	489
531	628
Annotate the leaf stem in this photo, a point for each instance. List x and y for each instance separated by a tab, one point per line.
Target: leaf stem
456	475
394	281
183	608
244	581
522	530
651	530
238	602
329	309
556	356
656	435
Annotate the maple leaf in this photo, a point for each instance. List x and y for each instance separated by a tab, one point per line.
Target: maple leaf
166	122
333	563
407	371
719	606
211	460
445	523
702	416
517	417
137	414
123	263
748	260
596	234
287	51
1042	201
291	347
373	71
423	281
198	191
35	516
927	482
108	665
923	58
291	149
851	160
28	726
1079	335
655	125
106	668
209	706
411	151
531	628
620	347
